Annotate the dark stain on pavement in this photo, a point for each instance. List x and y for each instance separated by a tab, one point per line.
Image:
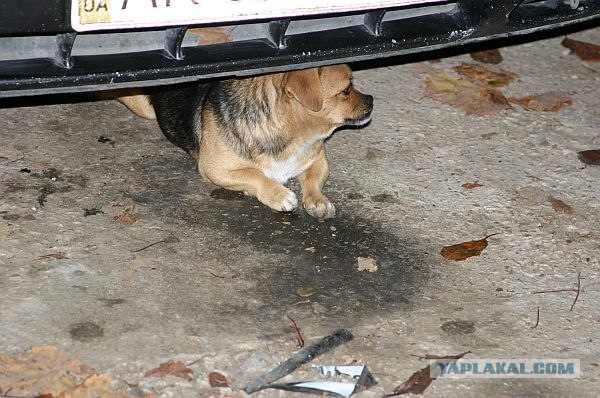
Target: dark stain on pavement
85	331
300	251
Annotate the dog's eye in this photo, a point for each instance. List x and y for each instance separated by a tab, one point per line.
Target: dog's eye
347	90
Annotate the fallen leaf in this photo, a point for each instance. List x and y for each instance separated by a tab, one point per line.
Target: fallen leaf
45	371
462	251
126	218
552	101
471	185
559	206
591	156
368	264
584	51
420	380
488	77
53	256
475	98
488	56
171	368
216	379
306	291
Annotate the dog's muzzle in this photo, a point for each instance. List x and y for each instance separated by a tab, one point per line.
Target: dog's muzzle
365	118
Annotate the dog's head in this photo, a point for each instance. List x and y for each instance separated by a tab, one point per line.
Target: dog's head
326	96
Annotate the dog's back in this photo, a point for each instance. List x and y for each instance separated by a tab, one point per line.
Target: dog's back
178	111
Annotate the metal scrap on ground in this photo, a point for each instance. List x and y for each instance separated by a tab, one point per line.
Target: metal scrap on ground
303	356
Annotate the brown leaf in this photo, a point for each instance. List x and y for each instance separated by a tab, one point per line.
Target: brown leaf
471	185
420	380
584	51
462	251
474	98
126	218
216	379
559	206
488	77
45	371
488	56
591	156
171	368
552	101
53	256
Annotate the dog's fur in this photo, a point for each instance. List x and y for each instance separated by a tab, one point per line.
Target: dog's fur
254	134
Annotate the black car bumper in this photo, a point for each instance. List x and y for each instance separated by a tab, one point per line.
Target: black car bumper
59	66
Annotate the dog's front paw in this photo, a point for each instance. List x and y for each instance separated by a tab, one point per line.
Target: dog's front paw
280	199
319	207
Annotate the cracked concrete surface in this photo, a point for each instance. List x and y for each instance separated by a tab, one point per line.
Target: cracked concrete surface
216	288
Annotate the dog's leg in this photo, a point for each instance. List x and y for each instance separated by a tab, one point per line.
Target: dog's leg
312	180
138	104
254	183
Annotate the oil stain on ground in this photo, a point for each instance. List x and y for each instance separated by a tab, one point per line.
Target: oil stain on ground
302	252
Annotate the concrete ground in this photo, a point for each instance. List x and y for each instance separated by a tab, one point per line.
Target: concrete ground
216	289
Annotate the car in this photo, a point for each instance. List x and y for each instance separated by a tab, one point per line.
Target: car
61	46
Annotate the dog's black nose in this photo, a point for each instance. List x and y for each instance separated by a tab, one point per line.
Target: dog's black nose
368	100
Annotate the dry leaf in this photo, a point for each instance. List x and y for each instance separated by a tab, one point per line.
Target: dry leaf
584	51
471	185
53	256
45	371
368	264
462	251
552	101
420	380
216	379
488	77
559	206
211	35
171	368
475	98
126	218
591	156
488	56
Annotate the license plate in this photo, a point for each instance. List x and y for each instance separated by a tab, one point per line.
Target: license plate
89	15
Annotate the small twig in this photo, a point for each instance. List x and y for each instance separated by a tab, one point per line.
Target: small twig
299	337
16	160
570	289
589	67
148	246
537	320
578	290
430	356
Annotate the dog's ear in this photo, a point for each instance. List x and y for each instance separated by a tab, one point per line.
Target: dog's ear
305	86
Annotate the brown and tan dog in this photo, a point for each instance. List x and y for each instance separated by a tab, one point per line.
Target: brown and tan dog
254	134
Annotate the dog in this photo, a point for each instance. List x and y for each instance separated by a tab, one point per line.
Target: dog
254	134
